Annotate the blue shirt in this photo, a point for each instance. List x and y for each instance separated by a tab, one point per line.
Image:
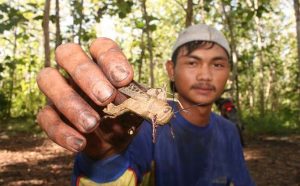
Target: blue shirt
183	155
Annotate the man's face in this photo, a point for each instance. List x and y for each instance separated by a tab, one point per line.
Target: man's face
200	76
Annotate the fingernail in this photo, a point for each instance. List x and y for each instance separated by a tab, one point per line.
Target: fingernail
119	73
75	143
102	91
88	121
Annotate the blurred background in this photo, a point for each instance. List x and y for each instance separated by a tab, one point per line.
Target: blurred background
265	81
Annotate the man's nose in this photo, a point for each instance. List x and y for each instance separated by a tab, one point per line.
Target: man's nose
204	73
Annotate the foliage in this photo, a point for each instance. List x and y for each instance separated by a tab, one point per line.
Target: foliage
263	33
115	7
10	17
276	123
22	125
3	105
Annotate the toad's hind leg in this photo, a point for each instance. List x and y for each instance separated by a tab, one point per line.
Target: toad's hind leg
114	110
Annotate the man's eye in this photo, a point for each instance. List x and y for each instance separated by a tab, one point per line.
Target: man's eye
218	65
191	63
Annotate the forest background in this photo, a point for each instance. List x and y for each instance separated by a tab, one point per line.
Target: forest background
264	36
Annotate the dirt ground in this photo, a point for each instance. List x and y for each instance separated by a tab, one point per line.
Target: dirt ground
30	160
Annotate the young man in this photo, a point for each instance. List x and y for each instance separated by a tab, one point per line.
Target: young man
198	147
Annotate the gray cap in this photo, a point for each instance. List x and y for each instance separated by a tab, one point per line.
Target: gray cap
201	32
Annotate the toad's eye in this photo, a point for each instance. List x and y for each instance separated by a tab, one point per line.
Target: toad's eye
166	110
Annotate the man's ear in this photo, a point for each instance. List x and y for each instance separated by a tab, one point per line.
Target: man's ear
170	69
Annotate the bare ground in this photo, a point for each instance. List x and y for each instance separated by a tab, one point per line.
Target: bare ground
30	160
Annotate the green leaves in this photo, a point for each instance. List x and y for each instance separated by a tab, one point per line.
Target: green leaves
124	7
116	7
3	104
10	17
140	23
38	17
263	8
21	34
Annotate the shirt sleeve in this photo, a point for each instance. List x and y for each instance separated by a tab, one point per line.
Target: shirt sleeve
127	168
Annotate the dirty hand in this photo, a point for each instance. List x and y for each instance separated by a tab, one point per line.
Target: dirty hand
73	118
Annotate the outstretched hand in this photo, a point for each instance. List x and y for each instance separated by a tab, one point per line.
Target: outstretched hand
72	120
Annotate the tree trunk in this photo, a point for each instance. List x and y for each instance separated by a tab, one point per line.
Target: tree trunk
189	13
202	10
80	23
261	86
149	42
58	38
142	57
46	33
12	75
297	15
251	89
72	27
234	55
261	77
273	97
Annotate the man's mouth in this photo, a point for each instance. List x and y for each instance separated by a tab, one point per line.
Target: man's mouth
203	88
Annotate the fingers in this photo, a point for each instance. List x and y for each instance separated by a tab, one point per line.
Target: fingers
60	132
97	83
67	101
85	73
112	61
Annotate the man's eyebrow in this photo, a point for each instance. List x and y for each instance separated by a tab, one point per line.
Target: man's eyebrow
220	58
194	57
213	59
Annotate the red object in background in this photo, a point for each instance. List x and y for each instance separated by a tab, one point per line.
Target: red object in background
228	106
228	109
